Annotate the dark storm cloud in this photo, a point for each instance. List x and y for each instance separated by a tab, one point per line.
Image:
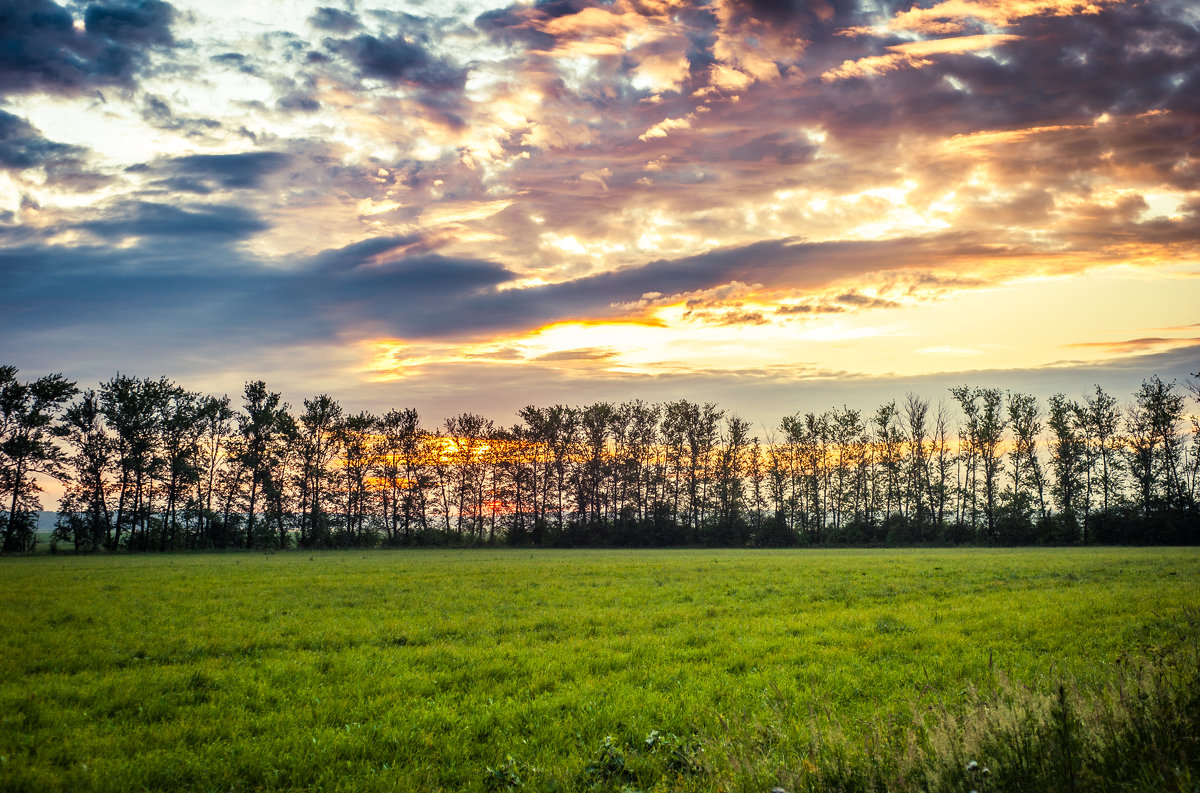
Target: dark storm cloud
812	20
41	49
514	25
22	146
479	308
334	19
204	172
138	22
208	289
298	103
776	146
373	283
1125	60
146	219
399	61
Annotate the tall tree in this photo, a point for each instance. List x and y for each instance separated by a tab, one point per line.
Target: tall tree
595	422
317	444
941	458
180	428
1027	487
355	441
729	482
216	427
916	412
87	507
1155	453
399	465
131	410
264	420
468	434
29	430
1100	419
985	428
1068	461
889	448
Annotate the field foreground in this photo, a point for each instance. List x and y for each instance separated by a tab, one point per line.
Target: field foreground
640	670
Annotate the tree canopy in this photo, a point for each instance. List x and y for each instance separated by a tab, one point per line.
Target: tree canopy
151	465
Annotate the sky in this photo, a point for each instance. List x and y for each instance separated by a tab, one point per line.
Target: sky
475	206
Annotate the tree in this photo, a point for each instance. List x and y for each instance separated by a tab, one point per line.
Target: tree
1155	454
398	462
261	426
593	489
317	446
941	462
131	410
354	435
889	448
216	426
984	432
1027	485
692	432
1100	420
552	431
180	428
917	475
29	429
85	509
1068	460
729	483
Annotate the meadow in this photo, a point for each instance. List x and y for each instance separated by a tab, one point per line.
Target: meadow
573	670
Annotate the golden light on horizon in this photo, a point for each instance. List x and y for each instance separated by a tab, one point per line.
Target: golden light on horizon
601	194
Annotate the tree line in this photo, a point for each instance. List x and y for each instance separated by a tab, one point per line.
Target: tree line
149	465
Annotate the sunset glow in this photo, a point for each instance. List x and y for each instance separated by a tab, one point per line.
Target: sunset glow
460	205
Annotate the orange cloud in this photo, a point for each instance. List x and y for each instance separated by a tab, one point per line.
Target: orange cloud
953	15
1136	345
978	140
914	55
662	128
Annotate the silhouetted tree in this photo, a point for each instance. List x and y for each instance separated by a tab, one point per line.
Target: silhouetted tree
264	421
1068	462
29	430
85	513
317	445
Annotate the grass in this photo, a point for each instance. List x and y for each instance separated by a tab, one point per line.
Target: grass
576	670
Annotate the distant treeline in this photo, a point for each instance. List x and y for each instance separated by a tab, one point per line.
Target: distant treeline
149	465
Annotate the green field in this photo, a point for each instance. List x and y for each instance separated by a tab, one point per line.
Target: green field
542	670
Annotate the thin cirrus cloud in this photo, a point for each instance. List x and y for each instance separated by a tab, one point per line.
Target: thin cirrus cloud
614	188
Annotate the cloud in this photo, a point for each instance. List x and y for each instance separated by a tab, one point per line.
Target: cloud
202	173
148	219
141	22
41	49
859	300
952	16
334	19
399	61
915	54
664	127
581	354
514	25
603	151
22	146
1142	345
781	147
